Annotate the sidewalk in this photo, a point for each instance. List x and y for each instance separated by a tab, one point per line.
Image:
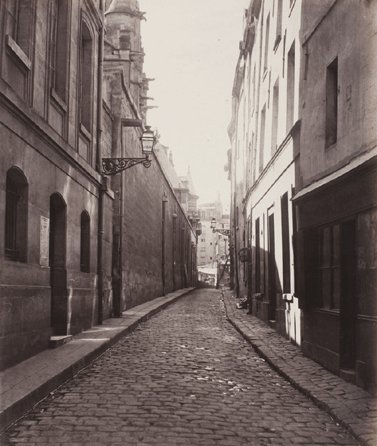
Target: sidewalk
23	385
349	405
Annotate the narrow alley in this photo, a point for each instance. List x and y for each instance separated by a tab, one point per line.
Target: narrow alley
186	376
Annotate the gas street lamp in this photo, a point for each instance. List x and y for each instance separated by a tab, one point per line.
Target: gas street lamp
112	166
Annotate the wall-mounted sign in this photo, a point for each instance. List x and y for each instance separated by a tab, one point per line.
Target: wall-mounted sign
244	255
44	241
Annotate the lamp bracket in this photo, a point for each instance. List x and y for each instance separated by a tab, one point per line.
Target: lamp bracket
112	166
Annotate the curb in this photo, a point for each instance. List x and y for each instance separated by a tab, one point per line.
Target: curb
27	391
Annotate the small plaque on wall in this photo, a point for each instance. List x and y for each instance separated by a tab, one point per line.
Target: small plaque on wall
44	241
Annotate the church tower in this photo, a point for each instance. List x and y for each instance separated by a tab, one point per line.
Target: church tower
123	18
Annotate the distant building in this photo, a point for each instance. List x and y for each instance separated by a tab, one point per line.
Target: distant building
303	178
212	246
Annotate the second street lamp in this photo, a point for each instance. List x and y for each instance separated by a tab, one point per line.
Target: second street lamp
225	232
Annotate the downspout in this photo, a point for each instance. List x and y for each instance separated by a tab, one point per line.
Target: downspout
102	188
235	244
118	307
164	200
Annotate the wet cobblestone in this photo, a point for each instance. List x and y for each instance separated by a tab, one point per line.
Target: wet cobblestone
185	377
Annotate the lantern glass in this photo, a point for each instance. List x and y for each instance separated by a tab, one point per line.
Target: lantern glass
147	141
213	223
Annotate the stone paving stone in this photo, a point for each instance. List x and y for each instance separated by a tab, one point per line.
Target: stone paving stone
185	376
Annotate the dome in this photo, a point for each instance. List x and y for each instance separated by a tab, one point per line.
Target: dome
123	6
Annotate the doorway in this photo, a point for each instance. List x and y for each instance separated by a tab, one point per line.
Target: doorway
271	269
58	270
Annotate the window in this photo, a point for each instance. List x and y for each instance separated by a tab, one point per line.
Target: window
275	117
331	103
19	25
290	87
85	242
59	47
329	267
262	135
254	87
86	77
279	18
16	212
266	43
285	243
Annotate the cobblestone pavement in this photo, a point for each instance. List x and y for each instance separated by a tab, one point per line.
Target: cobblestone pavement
351	406
186	376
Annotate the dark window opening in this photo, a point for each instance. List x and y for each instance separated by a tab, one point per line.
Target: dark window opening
262	136
279	22
86	77
290	87
266	43
19	23
59	47
275	117
332	103
85	243
16	212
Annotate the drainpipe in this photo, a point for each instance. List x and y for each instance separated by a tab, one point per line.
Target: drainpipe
235	243
102	188
164	200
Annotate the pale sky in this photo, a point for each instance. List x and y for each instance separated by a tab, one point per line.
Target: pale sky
191	51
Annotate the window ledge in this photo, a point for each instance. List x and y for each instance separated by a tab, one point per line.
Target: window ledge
59	100
17	51
85	132
332	146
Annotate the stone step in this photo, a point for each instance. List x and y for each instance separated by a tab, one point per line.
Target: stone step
348	375
272	324
57	341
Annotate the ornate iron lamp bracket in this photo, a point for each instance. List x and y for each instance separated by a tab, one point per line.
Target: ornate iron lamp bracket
112	166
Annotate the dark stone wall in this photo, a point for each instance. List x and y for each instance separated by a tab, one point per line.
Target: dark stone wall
40	134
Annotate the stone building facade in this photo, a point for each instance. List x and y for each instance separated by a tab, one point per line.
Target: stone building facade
76	246
302	170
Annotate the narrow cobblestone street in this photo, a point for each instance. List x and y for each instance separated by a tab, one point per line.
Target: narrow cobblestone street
184	377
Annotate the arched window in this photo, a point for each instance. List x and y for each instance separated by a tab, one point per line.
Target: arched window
85	242
16	213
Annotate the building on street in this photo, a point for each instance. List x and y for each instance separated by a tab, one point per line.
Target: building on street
78	246
303	177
